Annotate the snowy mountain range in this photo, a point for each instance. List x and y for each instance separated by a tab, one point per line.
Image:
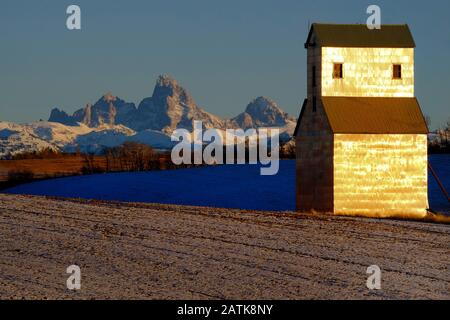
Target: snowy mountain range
112	121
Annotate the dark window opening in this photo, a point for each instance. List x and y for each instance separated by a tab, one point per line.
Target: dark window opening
338	71
397	71
314	83
314	104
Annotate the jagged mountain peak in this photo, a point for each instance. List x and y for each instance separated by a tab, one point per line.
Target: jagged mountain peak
262	104
166	86
109	97
262	112
171	107
60	116
165	80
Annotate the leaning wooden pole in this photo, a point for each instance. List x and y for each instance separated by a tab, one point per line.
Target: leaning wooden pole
438	181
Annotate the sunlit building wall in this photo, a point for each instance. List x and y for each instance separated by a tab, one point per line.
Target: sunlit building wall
380	175
368	72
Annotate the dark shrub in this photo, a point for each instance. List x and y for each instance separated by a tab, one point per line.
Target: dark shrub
20	176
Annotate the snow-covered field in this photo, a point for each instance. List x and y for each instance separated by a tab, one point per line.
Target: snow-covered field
146	251
441	164
224	186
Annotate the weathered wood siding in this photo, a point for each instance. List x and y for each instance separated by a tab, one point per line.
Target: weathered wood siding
368	72
314	59
380	175
314	148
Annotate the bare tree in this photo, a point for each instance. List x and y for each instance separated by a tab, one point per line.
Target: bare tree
131	156
428	120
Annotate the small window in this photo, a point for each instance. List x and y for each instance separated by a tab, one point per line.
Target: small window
337	71
397	71
314	83
314	102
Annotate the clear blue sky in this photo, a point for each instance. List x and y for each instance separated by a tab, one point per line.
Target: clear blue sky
224	52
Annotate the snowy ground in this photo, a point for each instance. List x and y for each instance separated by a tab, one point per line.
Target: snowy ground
144	251
441	164
222	186
239	187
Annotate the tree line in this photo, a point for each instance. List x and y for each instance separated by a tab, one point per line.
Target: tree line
440	142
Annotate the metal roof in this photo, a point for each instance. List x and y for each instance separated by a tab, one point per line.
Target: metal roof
374	115
358	35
